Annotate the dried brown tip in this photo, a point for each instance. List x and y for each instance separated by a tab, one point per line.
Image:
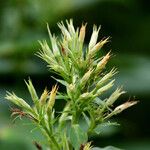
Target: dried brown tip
37	145
124	106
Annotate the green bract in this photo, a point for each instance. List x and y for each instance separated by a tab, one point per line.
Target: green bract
82	73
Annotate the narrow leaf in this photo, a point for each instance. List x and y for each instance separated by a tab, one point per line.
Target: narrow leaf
106	148
77	136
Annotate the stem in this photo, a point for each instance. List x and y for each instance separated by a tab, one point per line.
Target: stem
65	142
50	136
92	124
76	116
49	113
74	120
109	115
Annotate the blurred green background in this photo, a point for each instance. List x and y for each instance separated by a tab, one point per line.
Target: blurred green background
23	23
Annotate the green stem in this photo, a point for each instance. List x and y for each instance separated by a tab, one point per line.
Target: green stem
92	124
50	136
74	120
52	139
76	116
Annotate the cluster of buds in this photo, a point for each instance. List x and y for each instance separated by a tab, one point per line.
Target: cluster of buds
40	105
83	75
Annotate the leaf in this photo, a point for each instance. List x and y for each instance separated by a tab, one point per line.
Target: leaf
106	148
86	119
77	136
60	81
98	101
101	126
62	96
65	142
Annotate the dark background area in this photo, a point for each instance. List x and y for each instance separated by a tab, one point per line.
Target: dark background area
23	23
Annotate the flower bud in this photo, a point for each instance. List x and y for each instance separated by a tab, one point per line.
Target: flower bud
46	48
114	96
82	33
44	96
55	46
106	78
18	101
85	96
87	146
98	46
51	100
56	67
65	32
94	37
105	88
102	63
71	27
70	90
32	91
53	43
85	78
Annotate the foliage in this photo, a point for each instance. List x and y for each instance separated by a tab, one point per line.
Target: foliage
82	72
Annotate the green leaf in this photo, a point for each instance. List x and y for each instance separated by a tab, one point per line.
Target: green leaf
86	119
98	101
77	136
104	125
60	81
62	96
106	148
65	142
